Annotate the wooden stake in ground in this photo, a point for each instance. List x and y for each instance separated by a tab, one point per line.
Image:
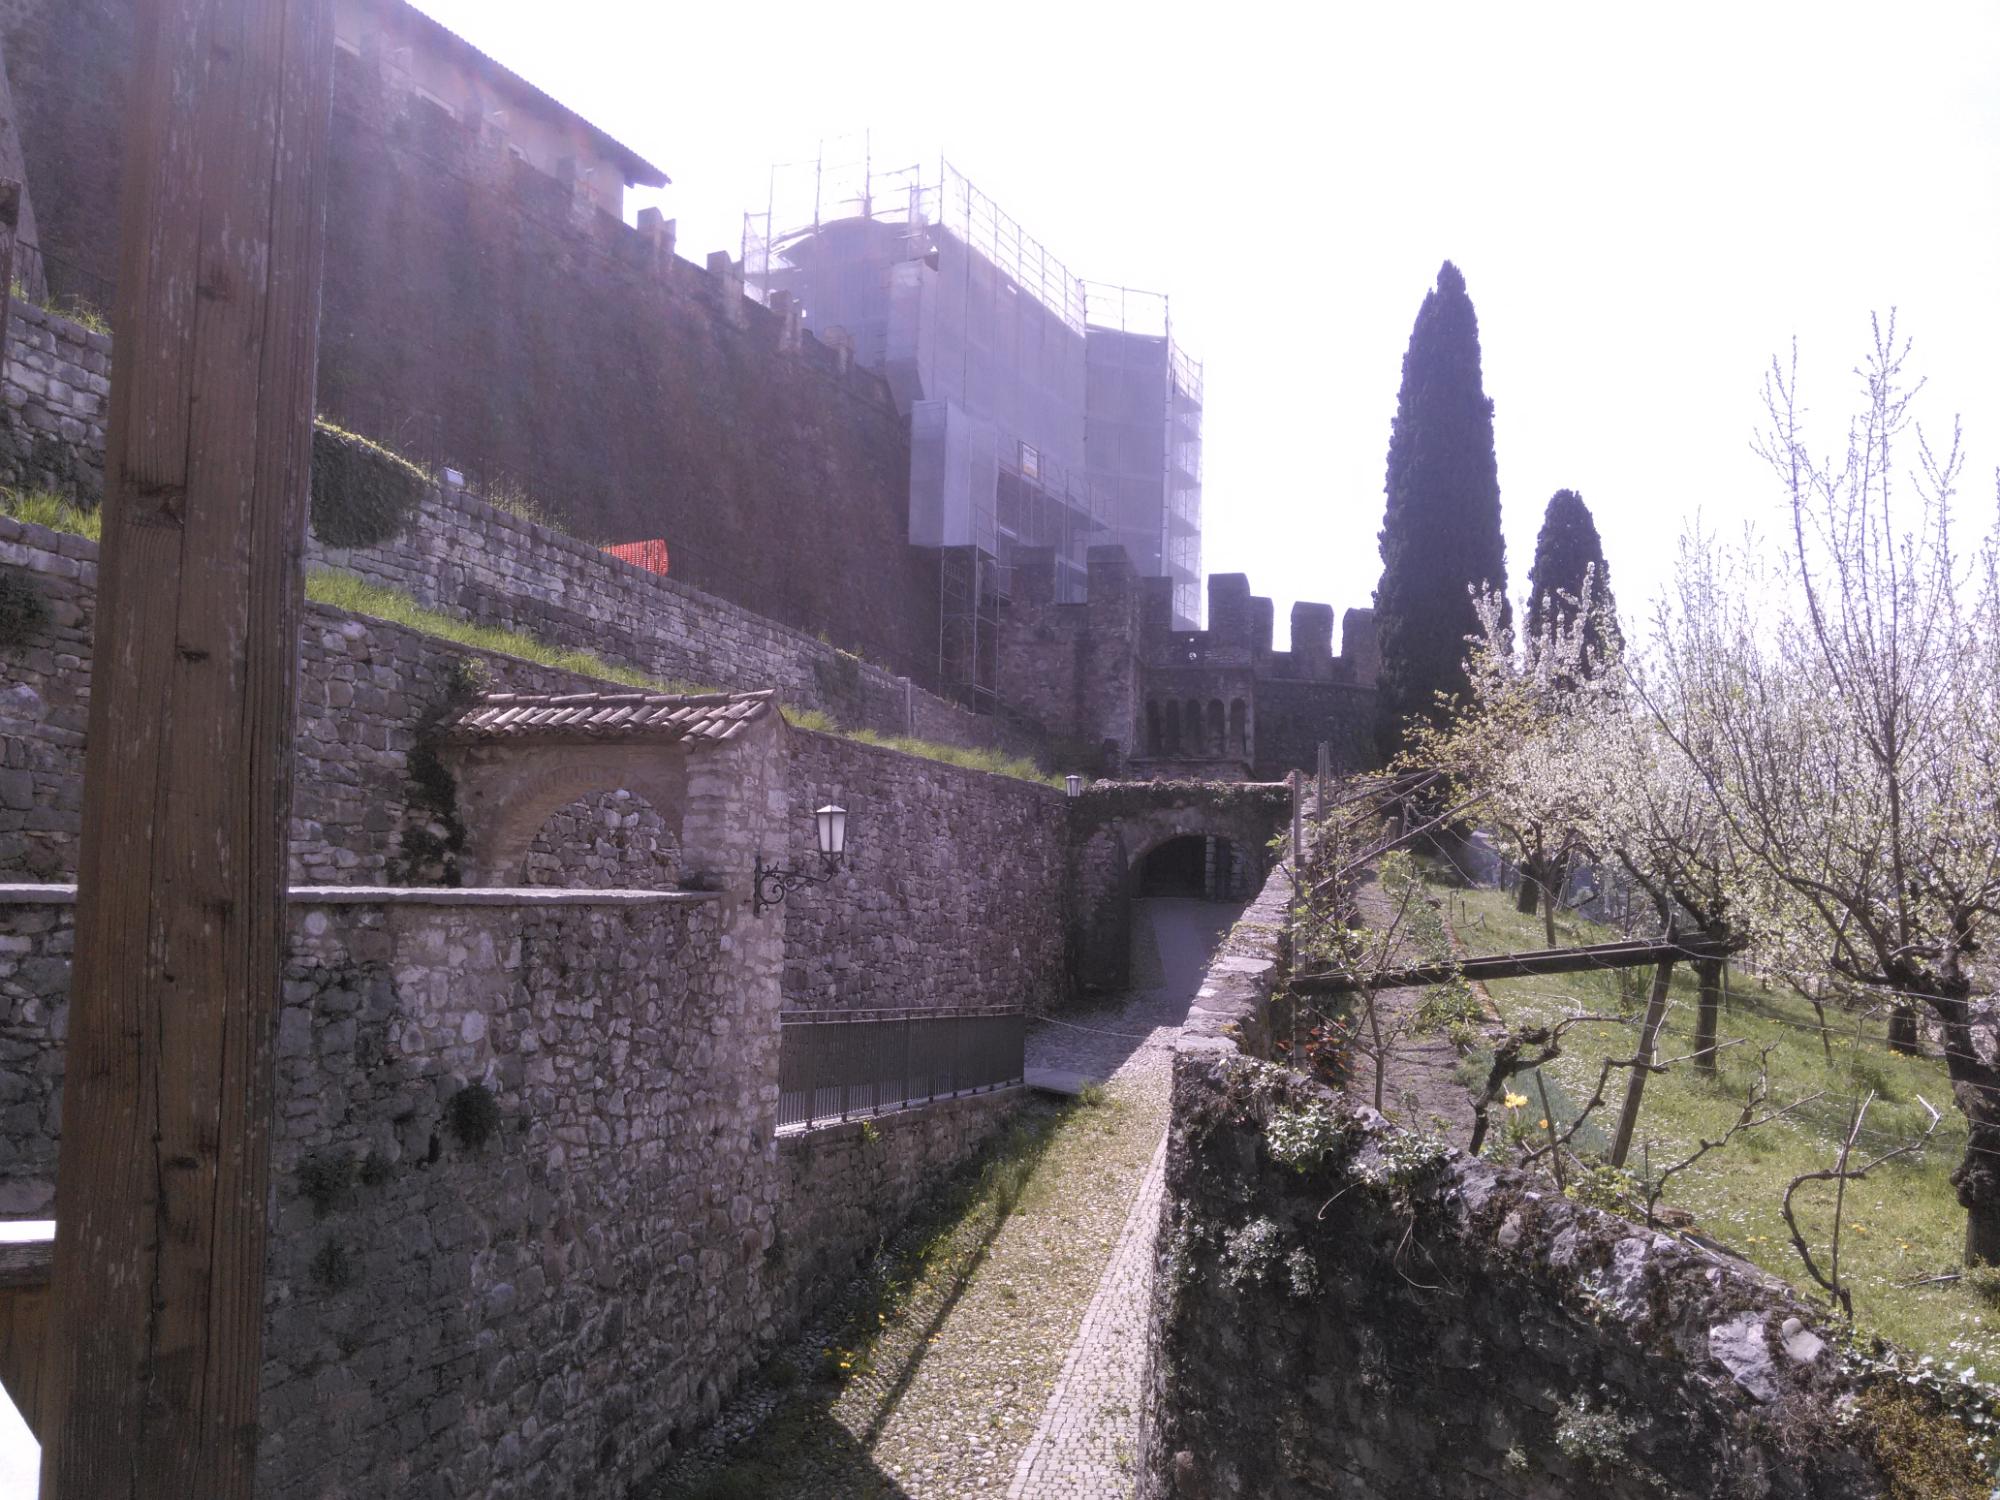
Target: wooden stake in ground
160	1199
1649	1037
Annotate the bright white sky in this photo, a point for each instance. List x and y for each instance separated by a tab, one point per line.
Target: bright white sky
1646	205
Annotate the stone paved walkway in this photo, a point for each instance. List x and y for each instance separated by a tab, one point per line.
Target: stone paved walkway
1019	1378
1085	1444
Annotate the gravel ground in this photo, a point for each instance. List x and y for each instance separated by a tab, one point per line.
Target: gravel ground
1011	1367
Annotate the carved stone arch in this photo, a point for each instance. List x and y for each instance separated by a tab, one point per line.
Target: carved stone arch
518	759
507	793
1111	854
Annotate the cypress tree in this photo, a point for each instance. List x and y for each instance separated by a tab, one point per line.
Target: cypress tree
1567	548
1441	533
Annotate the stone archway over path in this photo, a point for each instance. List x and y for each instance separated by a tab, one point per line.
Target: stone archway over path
1115	825
517	759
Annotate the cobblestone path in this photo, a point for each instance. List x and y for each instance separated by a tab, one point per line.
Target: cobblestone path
1085	1443
1020	1376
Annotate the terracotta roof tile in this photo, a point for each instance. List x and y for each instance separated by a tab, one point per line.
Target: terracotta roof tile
655	716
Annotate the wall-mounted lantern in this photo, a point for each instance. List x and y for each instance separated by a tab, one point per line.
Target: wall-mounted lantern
1073	785
773	884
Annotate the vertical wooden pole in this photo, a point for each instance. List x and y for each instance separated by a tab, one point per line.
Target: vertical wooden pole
1649	1037
1298	780
160	1198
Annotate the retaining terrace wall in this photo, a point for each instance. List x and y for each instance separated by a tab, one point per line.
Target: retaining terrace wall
952	893
551	1309
1397	1320
476	562
55	387
369	692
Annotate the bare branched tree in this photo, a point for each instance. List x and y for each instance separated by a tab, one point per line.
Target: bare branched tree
1843	713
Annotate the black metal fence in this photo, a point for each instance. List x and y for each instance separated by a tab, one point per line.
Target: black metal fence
837	1065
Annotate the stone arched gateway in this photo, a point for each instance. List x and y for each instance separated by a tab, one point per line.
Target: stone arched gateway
1115	826
519	759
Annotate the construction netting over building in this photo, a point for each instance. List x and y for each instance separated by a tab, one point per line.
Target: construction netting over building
1044	412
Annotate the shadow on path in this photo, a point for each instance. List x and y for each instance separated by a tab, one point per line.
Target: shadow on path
1173	938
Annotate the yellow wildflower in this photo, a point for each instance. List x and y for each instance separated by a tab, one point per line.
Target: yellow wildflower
1515	1101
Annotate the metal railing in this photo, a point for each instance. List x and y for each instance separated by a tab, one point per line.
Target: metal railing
840	1065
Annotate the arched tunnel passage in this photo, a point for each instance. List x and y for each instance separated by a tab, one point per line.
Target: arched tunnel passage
1204	866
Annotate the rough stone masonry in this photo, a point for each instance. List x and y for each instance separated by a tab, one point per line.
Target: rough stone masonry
1363	1312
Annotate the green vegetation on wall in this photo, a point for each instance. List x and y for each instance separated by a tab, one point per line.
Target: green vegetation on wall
57	512
362	494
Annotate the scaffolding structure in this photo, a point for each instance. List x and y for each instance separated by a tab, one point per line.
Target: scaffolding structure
1142	428
984	339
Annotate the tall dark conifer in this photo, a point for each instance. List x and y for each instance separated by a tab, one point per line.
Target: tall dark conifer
1567	548
1441	533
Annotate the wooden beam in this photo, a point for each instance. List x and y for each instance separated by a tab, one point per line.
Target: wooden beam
1528	965
152	1376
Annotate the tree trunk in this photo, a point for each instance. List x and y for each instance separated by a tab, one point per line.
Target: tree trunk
1977	1179
1549	913
1708	971
1975	1085
1982	1234
1526	896
1904	1036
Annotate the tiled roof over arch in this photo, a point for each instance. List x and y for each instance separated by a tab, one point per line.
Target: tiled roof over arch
660	717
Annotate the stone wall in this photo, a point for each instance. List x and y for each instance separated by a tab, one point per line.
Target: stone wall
369	694
530	1219
474	561
55	384
50	579
1123	693
951	893
477	562
614	840
1113	826
37	944
1382	1317
475	315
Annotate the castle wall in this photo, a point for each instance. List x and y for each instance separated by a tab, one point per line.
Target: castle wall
1294	715
481	563
368	806
474	315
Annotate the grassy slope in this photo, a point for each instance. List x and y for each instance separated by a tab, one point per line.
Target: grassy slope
1902	1222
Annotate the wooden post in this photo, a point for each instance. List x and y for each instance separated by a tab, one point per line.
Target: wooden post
158	1301
1649	1036
1298	780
